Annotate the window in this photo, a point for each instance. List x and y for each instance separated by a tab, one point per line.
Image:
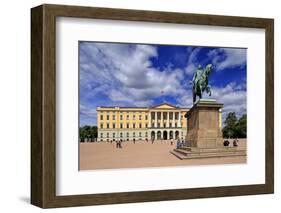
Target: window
145	134
134	126
107	125
176	125
121	126
101	117
101	125
128	117
113	117
140	134
121	117
107	117
134	134
146	125
113	125
127	134
121	135
146	117
128	125
113	135
134	117
139	117
107	135
140	126
101	135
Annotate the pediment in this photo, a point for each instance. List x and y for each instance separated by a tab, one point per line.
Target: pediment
165	106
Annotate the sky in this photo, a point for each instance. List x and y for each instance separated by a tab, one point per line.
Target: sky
120	74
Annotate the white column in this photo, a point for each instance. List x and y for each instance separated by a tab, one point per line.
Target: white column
179	120
156	121
168	122
149	119
161	122
173	124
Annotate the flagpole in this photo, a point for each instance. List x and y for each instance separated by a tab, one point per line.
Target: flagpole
163	98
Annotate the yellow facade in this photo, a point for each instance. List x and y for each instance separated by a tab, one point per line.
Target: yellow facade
160	122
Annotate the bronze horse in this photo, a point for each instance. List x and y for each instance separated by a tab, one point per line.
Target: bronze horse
200	81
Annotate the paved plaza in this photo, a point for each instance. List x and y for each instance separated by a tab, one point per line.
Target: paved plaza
104	155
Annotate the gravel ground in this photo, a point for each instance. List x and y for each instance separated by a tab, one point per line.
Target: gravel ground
105	155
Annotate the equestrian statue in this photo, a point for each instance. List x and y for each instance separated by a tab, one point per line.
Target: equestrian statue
200	81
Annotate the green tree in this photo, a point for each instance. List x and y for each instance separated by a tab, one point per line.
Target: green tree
89	132
235	128
230	123
242	127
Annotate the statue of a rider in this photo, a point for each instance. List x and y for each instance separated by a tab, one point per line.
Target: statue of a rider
200	81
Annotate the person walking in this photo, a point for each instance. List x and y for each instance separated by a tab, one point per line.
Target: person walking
182	142
178	143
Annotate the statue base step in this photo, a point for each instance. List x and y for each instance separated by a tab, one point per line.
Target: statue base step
195	153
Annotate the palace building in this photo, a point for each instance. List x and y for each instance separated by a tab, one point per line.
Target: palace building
161	122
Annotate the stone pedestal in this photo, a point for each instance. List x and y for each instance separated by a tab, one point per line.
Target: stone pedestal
204	133
204	125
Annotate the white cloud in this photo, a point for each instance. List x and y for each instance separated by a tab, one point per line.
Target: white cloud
90	112
233	97
124	73
228	57
118	74
192	60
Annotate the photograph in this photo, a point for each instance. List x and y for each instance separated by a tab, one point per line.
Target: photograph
138	105
159	105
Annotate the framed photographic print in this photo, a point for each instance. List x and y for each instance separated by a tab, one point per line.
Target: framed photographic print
136	106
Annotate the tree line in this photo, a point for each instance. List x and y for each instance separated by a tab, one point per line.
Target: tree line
234	127
88	133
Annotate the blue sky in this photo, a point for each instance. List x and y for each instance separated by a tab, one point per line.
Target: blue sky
116	74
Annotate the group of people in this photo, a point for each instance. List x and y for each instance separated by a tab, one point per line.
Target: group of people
234	142
119	144
180	143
